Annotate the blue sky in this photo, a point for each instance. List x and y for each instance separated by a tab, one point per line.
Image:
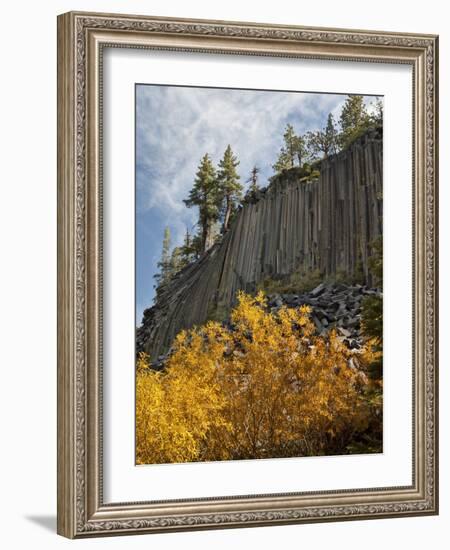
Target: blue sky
176	126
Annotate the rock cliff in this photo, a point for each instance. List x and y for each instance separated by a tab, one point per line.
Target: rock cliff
324	225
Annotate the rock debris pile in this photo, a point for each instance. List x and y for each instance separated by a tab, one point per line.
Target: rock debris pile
333	306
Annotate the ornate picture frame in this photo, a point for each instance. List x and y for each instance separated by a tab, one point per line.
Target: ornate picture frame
82	38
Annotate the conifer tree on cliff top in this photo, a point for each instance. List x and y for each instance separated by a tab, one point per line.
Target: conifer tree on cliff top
205	195
164	264
230	188
354	120
253	180
293	152
324	141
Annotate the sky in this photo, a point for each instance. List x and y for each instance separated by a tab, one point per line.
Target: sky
176	126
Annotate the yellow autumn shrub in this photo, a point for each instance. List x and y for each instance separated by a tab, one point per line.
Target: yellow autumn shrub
267	387
176	409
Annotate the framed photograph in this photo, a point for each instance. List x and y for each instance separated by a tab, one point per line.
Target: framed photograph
247	284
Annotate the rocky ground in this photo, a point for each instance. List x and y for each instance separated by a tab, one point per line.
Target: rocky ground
334	305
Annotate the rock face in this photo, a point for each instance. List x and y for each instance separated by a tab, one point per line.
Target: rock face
325	225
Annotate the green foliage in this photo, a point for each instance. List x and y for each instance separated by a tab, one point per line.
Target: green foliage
371	440
354	120
300	281
164	265
292	153
323	142
229	186
372	308
191	248
377	116
253	180
181	256
309	172
296	282
376	261
177	260
205	195
372	317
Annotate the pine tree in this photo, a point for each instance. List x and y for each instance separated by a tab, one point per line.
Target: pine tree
290	143
354	119
286	156
253	180
324	141
331	135
300	149
377	116
230	189
284	162
190	248
205	195
187	248
292	152
177	261
164	264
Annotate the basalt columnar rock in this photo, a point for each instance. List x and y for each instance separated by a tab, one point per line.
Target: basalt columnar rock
325	225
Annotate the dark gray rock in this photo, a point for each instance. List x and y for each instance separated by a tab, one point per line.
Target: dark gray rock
276	301
318	290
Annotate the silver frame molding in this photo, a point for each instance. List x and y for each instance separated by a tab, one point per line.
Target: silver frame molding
81	39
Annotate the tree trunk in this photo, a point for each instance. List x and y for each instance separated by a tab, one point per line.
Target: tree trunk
226	221
204	237
209	239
